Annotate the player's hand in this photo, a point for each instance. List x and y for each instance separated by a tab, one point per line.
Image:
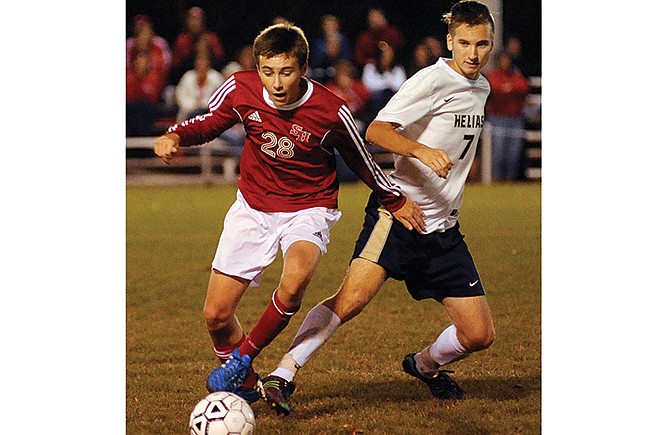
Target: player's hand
411	216
437	160
165	146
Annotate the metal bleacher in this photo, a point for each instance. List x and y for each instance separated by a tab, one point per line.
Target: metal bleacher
211	163
533	133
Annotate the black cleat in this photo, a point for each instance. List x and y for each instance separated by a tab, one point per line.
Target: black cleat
277	390
441	386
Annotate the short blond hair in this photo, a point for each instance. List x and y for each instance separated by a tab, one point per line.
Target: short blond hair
467	12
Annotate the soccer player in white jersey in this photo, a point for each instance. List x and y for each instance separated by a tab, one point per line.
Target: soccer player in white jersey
287	193
432	125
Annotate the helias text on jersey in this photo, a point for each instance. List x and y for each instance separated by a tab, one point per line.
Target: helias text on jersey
462	120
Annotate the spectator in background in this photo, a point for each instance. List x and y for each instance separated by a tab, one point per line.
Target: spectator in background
196	87
186	44
243	61
144	43
330	31
504	111
345	85
234	136
323	68
144	84
142	25
378	30
421	58
514	48
383	77
435	47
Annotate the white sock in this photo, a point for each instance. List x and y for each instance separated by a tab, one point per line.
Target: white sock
319	325
447	348
423	368
287	368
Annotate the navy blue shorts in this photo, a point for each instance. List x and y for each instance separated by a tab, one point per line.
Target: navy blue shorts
435	265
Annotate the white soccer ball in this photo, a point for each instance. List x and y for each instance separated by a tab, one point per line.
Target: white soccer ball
222	413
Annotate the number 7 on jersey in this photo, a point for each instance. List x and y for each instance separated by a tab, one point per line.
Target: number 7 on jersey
469	138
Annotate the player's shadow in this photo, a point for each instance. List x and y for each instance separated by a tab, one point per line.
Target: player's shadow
363	394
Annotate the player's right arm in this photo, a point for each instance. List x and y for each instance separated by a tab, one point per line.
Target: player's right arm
384	135
201	128
165	146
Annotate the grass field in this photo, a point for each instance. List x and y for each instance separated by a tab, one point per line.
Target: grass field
355	384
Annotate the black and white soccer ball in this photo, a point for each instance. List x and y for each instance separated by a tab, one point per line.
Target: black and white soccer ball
222	413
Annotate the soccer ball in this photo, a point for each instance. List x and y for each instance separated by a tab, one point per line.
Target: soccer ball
222	413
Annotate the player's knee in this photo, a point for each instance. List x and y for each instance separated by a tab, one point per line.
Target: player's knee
291	290
290	296
346	308
478	339
217	316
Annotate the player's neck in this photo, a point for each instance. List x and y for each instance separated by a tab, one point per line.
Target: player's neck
451	64
303	88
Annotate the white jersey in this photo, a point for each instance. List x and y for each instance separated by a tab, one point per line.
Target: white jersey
444	110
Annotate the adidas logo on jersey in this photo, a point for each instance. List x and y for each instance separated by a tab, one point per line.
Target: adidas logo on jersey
255	117
319	235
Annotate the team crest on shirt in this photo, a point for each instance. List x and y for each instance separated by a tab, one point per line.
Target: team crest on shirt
300	133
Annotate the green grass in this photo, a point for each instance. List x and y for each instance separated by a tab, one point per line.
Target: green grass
355	383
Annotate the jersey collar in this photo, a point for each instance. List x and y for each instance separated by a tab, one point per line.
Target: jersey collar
442	63
295	105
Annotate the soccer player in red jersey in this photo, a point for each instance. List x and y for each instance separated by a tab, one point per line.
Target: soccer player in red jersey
287	193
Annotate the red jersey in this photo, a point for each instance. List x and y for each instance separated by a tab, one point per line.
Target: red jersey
288	158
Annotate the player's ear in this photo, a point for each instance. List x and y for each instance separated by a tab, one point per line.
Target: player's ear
303	70
450	42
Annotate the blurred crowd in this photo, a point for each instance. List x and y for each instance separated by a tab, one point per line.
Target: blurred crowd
168	83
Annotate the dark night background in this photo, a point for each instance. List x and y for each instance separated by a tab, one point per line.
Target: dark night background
238	22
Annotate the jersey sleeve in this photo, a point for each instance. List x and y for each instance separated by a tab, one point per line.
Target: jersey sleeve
204	128
350	144
412	101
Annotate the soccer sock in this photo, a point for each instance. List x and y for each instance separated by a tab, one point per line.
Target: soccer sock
319	325
447	348
272	322
223	352
426	368
287	368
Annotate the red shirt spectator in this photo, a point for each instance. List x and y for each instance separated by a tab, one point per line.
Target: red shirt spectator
345	85
378	30
143	30
509	89
144	42
143	83
184	45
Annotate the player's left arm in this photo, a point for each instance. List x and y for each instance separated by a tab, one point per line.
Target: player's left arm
411	216
353	150
413	101
384	135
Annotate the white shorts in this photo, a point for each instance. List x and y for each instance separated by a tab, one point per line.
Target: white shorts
251	239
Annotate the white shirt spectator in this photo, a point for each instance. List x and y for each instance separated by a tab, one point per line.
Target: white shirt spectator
375	81
192	94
